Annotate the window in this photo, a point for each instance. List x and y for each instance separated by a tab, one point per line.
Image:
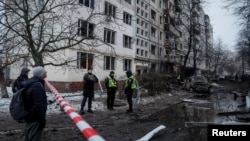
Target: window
142	32
126	64
160	4
109	36
85	29
138	20
137	41
161	20
146	25
153	14
110	10
153	49
160	52
127	41
153	32
142	23
146	34
161	35
146	44
138	10
137	51
153	1
109	63
146	6
146	54
142	4
127	18
138	30
84	60
142	52
142	13
88	3
146	15
142	42
128	1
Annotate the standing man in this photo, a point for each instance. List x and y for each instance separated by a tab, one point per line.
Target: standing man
35	100
23	76
130	85
89	81
111	85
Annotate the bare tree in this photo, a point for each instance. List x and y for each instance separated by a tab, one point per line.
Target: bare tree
191	28
7	57
242	11
48	27
41	30
219	57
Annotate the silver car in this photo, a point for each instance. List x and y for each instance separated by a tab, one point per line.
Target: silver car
197	83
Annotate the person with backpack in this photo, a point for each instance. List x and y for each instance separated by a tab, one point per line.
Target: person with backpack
22	77
89	80
111	85
130	85
35	101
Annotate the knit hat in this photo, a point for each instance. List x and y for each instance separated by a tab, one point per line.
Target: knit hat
38	71
112	72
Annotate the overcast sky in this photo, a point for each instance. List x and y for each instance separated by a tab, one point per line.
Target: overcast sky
224	23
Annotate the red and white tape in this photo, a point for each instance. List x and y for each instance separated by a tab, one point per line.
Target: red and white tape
84	127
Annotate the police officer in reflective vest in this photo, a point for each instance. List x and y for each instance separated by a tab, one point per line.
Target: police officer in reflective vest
111	85
130	86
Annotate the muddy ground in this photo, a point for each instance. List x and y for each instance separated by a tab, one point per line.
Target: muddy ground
117	125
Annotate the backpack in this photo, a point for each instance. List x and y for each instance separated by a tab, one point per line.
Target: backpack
16	107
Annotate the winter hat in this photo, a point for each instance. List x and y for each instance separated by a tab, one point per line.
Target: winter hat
24	71
112	72
38	71
129	73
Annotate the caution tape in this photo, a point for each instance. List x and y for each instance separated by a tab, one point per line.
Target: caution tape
84	127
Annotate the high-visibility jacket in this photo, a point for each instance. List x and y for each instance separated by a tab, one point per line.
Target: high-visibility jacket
178	77
111	82
133	85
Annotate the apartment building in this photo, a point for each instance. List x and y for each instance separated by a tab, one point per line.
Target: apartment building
138	35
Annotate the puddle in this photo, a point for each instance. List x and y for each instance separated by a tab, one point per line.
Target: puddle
192	116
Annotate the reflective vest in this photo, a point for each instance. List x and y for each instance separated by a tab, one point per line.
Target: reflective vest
112	82
178	76
133	86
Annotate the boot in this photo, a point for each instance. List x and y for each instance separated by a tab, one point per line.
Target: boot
81	111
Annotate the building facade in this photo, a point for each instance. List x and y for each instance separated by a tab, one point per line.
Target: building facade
139	35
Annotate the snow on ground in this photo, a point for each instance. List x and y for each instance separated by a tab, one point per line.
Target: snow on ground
74	100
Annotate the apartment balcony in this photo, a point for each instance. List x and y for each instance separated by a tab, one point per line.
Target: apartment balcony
171	29
167	58
167	43
168	13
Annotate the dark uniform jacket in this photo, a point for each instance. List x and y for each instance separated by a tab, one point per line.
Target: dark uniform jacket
35	100
17	83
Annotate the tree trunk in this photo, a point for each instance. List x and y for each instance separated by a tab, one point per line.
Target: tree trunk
4	93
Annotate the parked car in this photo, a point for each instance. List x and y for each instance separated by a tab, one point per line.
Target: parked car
197	83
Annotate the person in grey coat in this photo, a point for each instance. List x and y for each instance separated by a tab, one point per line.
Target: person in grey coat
35	102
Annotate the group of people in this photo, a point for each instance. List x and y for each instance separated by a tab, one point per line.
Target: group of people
35	98
35	101
111	84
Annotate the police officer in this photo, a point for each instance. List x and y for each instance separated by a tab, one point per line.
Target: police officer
130	86
111	85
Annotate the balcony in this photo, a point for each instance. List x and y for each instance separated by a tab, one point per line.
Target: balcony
171	29
168	13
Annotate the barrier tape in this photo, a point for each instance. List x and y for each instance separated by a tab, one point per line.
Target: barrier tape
84	127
